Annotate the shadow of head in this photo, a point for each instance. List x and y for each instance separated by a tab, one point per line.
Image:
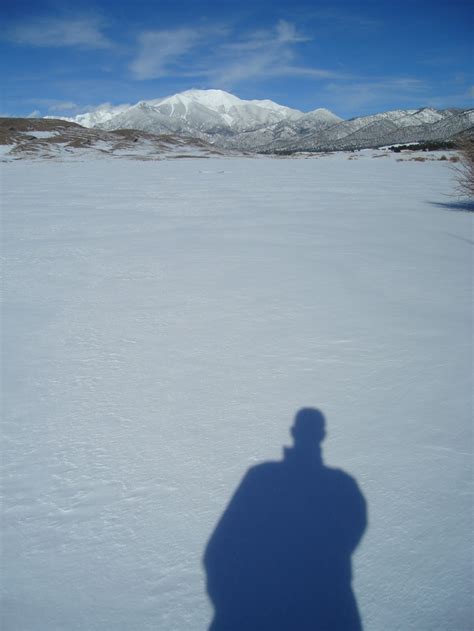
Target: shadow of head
309	429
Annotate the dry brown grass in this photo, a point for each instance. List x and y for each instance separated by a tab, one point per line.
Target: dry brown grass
35	124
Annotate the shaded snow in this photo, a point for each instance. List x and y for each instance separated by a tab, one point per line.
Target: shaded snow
40	134
164	321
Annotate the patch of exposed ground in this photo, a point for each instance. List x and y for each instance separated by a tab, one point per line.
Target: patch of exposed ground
50	138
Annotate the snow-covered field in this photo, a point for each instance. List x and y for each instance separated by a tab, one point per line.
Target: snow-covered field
162	324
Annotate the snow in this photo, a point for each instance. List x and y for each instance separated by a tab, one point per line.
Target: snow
213	99
40	134
325	115
106	150
286	112
162	324
5	150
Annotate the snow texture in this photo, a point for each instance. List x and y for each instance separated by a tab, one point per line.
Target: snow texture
162	324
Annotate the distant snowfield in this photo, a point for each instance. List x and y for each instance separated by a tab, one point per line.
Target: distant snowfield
162	324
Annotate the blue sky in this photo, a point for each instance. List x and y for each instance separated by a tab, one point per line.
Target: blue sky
353	57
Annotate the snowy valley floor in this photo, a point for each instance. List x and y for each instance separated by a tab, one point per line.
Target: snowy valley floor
162	324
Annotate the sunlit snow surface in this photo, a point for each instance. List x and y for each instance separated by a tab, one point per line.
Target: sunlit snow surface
163	322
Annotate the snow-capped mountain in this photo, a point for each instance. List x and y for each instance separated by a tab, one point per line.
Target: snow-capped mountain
210	114
262	125
193	112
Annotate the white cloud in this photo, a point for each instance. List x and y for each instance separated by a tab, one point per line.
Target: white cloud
265	54
58	106
76	32
105	106
287	34
159	50
221	59
53	105
62	106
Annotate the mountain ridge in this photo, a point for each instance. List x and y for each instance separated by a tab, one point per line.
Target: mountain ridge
226	121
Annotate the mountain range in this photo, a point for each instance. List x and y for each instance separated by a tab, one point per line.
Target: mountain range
226	121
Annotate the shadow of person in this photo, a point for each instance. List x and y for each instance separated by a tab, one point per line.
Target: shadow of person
280	556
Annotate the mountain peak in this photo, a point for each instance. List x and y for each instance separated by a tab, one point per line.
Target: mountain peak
209	98
193	112
222	101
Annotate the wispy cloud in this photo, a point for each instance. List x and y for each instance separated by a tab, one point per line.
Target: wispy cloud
76	32
221	57
54	106
62	106
260	54
160	51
